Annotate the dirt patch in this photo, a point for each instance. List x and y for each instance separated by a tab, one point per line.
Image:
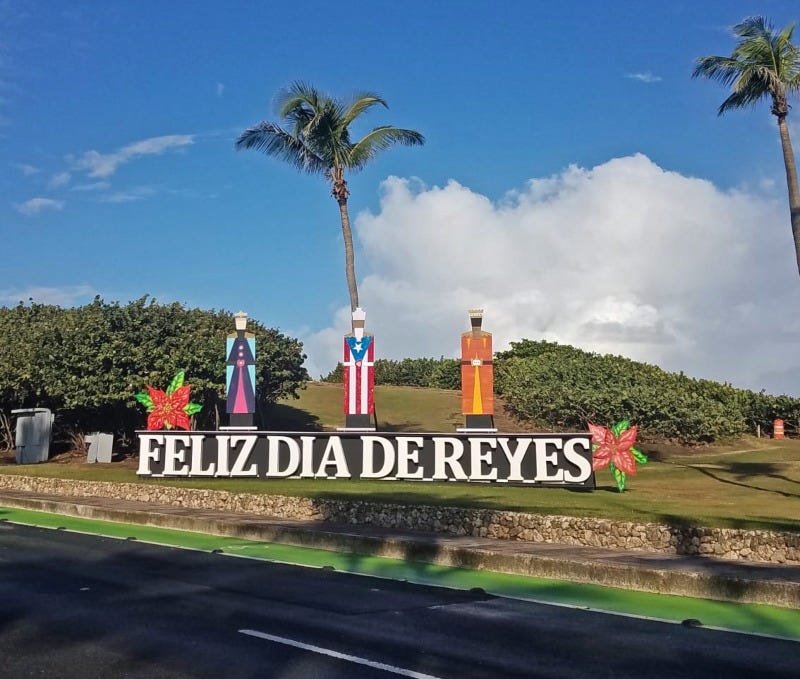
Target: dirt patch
71	457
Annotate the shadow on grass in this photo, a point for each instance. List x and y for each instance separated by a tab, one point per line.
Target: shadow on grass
399	426
745	471
283	417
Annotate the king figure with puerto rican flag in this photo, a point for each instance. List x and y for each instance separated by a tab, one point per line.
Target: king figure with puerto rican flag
359	375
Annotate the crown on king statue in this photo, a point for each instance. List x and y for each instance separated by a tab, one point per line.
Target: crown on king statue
475	319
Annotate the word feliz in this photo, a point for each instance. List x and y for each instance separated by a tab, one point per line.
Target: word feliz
544	459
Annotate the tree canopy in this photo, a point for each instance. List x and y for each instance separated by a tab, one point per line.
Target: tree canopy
765	64
313	135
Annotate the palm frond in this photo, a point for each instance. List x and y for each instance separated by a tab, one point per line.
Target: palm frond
753	27
380	139
360	103
793	83
763	65
767	79
741	99
785	36
313	132
326	136
299	107
298	94
722	69
272	140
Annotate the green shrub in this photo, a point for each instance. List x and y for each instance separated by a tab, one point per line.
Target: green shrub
86	363
562	387
441	373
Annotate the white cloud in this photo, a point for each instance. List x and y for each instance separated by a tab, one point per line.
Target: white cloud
646	77
58	180
27	170
92	186
35	206
105	164
623	258
138	193
64	297
220	89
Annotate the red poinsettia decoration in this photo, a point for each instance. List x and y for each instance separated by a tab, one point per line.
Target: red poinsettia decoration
169	409
613	448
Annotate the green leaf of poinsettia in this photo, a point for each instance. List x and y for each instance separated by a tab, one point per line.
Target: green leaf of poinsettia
595	446
620	426
177	383
145	400
619	476
192	408
640	457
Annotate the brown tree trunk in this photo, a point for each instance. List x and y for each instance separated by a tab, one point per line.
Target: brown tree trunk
349	263
341	193
791	181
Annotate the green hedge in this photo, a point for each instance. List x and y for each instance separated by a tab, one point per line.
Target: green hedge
435	373
86	363
561	387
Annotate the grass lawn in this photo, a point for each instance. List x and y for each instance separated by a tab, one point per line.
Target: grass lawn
748	484
396	408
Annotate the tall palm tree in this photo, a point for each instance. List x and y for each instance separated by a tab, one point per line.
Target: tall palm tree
315	138
764	65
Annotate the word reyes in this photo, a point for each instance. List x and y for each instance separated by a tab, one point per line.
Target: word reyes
543	459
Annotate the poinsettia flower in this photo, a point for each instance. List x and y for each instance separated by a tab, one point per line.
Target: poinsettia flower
168	409
171	408
613	449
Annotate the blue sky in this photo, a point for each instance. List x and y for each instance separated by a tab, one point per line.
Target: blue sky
567	147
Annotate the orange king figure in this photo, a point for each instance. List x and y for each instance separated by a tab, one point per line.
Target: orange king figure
477	379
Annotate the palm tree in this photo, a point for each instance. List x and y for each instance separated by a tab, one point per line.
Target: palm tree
765	64
315	138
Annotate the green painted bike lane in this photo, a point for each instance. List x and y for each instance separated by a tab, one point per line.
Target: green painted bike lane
737	617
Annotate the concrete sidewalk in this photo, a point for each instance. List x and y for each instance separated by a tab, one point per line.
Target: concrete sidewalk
703	577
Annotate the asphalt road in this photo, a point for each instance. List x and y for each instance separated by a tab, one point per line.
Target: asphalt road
81	606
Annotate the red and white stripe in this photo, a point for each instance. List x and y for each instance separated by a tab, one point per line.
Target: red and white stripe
359	381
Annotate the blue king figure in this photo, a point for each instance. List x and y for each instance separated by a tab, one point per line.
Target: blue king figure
241	374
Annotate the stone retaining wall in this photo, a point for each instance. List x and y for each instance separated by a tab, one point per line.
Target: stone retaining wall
725	543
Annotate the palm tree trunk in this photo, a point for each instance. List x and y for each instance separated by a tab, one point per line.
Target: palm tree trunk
349	261
791	181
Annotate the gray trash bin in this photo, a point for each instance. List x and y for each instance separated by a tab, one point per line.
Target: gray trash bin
99	447
34	428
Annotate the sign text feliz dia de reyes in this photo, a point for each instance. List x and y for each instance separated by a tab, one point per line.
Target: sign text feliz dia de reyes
540	459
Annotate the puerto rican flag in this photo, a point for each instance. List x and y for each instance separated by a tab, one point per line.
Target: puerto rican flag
359	375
